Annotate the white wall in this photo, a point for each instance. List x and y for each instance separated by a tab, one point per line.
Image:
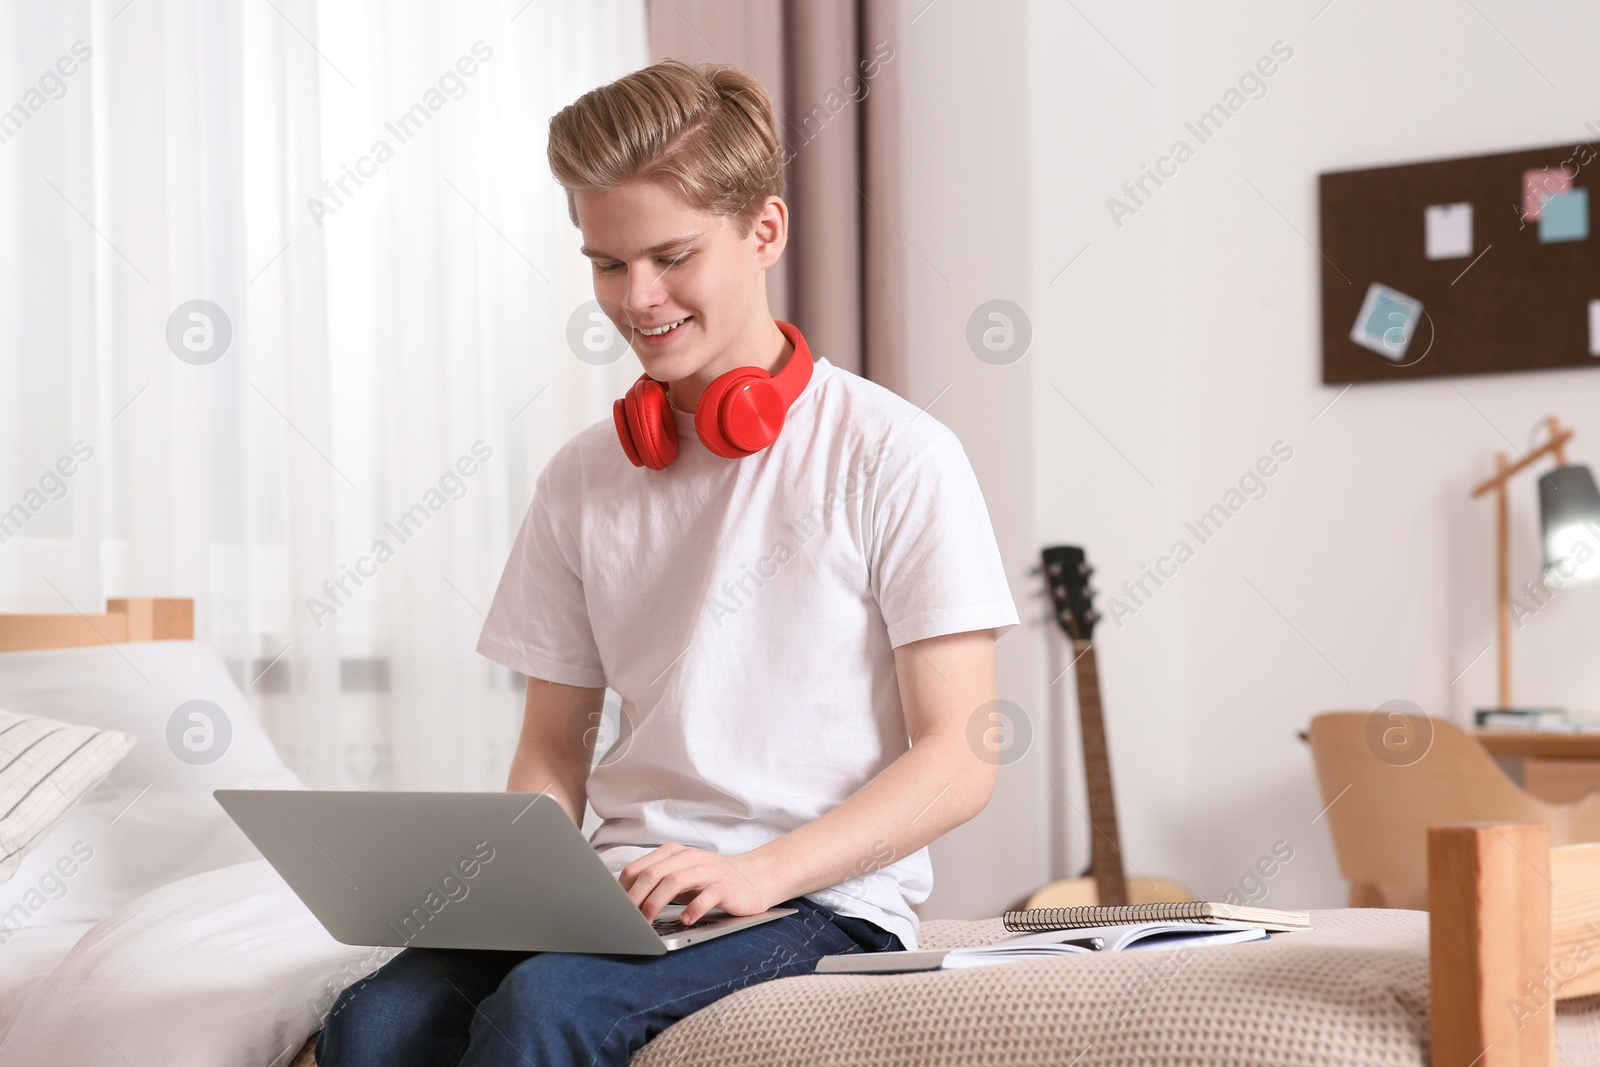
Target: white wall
1187	342
966	225
1106	391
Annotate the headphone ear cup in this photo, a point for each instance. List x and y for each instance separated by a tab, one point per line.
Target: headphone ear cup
625	435
648	432
740	413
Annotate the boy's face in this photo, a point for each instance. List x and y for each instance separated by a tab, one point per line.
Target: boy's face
656	260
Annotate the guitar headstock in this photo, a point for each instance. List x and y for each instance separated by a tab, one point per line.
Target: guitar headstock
1066	573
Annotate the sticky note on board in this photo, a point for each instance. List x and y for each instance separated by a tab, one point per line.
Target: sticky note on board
1565	217
1386	322
1447	230
1540	185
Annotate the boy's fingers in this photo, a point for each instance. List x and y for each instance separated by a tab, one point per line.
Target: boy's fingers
649	885
648	860
702	903
661	866
661	896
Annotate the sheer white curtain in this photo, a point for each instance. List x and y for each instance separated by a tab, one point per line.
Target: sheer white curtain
358	193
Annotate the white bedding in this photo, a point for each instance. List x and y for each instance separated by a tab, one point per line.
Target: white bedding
29	955
226	967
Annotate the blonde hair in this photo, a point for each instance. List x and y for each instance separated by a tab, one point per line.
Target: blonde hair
705	130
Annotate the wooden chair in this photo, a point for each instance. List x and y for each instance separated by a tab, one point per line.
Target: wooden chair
1380	803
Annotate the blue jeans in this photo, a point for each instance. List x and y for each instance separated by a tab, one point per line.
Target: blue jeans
434	1007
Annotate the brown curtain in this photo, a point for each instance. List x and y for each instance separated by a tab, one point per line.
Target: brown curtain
831	68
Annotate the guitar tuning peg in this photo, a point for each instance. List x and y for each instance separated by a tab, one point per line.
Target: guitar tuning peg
1033	568
1061	591
1093	616
1055	568
1085	570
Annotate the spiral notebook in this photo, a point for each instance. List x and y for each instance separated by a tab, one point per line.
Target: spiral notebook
1187	911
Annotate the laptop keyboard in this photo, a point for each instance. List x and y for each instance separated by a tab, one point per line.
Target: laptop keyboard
666	927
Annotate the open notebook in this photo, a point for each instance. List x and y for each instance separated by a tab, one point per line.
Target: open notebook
1046	945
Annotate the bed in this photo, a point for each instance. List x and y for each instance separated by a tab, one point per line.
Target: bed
178	945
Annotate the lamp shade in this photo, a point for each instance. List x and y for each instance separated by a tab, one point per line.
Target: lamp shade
1569	516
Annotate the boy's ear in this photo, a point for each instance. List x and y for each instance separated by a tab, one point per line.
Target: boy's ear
771	231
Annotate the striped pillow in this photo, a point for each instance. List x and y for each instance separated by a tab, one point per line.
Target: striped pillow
45	767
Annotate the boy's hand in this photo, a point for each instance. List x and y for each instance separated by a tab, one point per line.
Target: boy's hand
701	880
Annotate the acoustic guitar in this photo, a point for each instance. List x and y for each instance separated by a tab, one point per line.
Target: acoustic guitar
1066	572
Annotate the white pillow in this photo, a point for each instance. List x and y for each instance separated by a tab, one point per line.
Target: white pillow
45	767
153	819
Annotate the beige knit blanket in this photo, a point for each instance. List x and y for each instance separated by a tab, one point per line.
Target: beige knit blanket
1352	990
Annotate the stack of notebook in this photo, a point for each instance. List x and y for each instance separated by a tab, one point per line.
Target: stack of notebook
1054	932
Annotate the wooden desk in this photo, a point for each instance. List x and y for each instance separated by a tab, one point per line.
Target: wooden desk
1558	767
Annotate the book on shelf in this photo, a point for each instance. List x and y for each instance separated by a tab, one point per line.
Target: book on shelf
1046	944
1537	720
1185	911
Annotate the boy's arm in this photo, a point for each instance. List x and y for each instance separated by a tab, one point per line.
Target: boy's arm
946	683
557	723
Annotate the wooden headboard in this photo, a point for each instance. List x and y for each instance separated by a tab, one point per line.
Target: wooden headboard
132	619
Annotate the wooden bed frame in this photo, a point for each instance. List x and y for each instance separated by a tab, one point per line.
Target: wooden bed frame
132	619
1514	927
1514	924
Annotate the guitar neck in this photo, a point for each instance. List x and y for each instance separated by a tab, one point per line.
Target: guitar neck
1105	848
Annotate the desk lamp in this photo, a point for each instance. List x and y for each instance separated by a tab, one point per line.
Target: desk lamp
1569	521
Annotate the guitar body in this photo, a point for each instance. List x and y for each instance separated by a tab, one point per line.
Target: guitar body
1081	893
1066	572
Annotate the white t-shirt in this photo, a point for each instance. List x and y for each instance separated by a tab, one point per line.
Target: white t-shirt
746	612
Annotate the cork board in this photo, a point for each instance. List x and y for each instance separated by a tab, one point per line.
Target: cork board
1516	291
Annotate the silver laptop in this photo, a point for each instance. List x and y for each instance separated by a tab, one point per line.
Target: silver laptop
457	870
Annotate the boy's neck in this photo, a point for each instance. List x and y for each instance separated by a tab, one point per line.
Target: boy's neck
685	392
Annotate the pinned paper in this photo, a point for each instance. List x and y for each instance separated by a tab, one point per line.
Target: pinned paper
1386	322
1448	229
1539	186
1565	217
1594	327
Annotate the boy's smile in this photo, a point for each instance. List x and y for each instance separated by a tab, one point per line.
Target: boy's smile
658	262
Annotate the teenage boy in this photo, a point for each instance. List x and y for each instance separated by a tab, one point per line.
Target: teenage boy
787	574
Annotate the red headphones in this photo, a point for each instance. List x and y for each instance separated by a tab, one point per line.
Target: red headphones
738	415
